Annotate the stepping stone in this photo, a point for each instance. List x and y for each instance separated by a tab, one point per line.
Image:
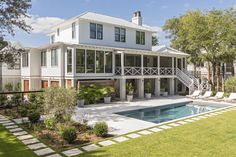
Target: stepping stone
90	147
174	124
120	139
144	132
3	119
72	152
54	155
202	117
165	127
155	129
24	137
190	120
182	122
20	133
11	126
133	135
44	151
36	146
21	120
15	129
106	143
7	124
195	118
30	141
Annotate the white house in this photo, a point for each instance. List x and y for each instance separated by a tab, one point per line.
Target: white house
97	49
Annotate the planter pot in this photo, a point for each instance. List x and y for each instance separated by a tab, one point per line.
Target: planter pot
148	95
80	103
107	100
129	97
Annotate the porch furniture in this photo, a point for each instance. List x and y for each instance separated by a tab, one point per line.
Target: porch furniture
207	94
218	96
231	97
195	94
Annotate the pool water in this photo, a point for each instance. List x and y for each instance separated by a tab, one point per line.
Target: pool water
169	112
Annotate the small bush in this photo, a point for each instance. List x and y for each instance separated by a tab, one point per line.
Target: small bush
69	134
8	87
23	111
50	123
100	129
3	99
34	117
230	84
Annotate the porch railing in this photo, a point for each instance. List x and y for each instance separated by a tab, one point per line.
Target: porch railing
166	71
150	71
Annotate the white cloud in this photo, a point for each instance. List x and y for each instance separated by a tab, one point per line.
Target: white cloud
42	24
155	28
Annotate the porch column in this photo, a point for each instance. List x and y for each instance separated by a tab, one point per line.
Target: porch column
172	86
157	86
141	64
122	82
176	62
158	64
141	88
182	64
122	63
173	66
113	63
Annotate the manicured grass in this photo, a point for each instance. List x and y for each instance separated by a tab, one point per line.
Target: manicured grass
211	137
10	146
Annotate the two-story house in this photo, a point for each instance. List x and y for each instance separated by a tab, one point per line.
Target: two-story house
98	49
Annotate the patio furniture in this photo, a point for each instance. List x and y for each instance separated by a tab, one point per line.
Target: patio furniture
195	94
218	96
231	97
207	94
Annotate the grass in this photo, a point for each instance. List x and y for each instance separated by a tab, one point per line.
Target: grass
10	146
211	137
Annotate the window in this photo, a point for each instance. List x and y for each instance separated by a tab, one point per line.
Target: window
52	39
99	62
120	34
69	60
90	61
58	31
73	30
25	60
54	57
80	61
43	58
96	31
140	38
108	62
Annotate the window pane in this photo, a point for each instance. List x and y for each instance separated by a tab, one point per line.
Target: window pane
43	59
92	30
99	31
122	35
143	38
117	34
73	30
118	60
108	62
25	60
69	61
99	61
52	39
90	61
54	57
137	37
80	61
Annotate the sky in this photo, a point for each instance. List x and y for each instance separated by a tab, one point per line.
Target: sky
47	13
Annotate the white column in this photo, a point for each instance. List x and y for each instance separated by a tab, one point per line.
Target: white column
158	64
157	86
113	63
141	64
141	88
176	63
173	66
172	86
122	63
122	85
182	64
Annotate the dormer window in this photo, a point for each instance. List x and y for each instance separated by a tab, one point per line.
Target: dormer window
140	38
73	30
96	31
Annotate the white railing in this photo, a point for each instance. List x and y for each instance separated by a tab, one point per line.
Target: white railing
118	70
166	71
150	71
184	78
196	81
132	71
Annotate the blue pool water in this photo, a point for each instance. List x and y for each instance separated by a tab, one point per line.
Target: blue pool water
169	112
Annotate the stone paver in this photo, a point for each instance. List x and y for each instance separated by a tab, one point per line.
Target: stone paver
165	127
30	141
44	151
72	152
106	143
174	124
37	146
182	122
202	117
20	133
21	120
195	118
190	120
54	155
24	137
155	129
7	124
144	132
11	126
15	129
90	147
120	139
133	135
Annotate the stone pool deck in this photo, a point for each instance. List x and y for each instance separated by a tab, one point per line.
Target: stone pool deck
119	124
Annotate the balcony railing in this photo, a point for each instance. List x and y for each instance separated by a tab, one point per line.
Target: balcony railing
133	71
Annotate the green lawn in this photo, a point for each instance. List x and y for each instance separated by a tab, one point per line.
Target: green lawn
211	137
11	146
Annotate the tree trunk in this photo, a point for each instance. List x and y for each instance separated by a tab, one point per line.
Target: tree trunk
213	75
208	72
218	77
223	77
194	70
232	68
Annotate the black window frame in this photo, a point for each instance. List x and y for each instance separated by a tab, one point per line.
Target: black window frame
44	58
96	31
69	61
120	34
140	38
73	30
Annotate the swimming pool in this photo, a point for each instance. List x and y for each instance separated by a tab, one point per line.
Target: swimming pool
170	112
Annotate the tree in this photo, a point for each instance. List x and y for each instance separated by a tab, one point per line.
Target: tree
155	41
12	15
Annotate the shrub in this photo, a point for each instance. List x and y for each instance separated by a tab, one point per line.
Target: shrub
100	129
34	117
91	94
16	99
3	99
23	111
69	134
8	87
230	84
50	123
148	86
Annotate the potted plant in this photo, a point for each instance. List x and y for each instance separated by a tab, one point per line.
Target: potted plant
81	94
130	91
148	88
107	92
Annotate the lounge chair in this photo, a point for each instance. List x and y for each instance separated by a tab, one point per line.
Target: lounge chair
207	94
195	94
231	97
218	96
